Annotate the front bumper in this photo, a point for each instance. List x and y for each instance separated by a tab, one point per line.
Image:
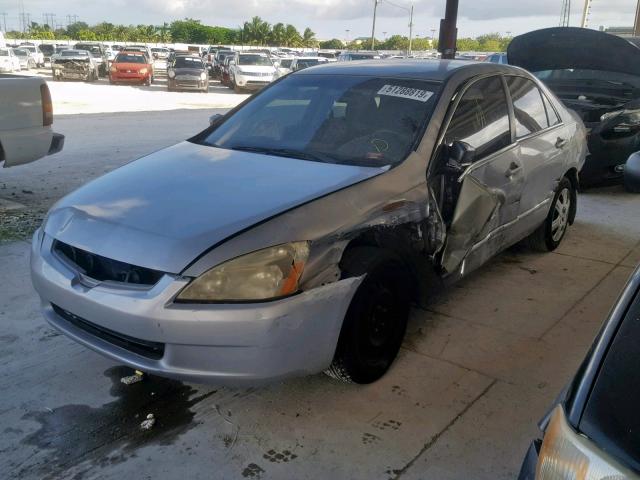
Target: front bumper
188	84
252	83
227	344
129	77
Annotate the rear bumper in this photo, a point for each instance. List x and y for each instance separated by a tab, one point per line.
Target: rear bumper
227	344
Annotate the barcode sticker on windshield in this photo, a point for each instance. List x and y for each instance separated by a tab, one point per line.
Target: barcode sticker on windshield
405	92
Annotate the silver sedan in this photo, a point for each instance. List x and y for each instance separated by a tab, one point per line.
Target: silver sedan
292	235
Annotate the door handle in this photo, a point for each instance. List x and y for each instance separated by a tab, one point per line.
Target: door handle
513	168
560	142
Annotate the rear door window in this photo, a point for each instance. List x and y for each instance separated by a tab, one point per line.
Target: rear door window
552	116
482	118
528	107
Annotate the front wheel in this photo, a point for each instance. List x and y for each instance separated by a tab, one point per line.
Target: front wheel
376	320
549	235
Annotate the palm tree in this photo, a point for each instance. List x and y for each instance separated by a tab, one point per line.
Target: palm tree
257	31
291	36
278	33
309	38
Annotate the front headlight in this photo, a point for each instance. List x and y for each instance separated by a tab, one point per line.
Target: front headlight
171	74
566	455
114	69
265	274
203	76
143	71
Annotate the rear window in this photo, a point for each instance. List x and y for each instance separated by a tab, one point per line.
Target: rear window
129	58
611	417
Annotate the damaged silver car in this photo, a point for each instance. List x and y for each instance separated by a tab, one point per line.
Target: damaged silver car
292	235
74	65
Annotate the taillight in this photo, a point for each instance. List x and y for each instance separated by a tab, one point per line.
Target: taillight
47	105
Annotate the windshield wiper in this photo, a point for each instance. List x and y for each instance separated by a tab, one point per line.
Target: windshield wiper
285	152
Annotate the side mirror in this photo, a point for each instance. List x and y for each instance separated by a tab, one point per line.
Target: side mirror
460	156
215	119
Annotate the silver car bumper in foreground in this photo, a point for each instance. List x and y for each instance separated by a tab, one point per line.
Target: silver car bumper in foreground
227	344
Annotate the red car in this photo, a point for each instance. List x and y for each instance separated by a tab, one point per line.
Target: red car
131	67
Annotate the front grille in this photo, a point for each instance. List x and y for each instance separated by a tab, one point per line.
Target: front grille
152	350
105	269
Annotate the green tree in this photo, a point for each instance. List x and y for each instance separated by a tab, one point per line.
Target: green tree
86	35
309	38
278	34
73	29
394	42
468	44
292	37
333	44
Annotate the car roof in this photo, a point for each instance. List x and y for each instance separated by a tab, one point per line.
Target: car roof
427	69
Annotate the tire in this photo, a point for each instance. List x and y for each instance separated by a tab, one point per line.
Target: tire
237	89
147	82
376	319
549	236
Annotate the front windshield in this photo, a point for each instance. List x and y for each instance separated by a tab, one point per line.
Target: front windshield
353	120
129	58
21	53
259	60
188	62
286	62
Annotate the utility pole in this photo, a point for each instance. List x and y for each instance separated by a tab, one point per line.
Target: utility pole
4	21
565	13
411	28
636	24
373	27
585	13
449	30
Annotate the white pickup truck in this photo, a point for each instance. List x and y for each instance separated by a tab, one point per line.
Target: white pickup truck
26	115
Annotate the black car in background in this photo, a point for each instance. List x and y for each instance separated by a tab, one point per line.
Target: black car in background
598	76
593	430
187	72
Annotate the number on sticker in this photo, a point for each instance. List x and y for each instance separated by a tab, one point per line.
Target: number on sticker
405	92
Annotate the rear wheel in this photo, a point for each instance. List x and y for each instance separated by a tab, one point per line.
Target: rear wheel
376	320
549	235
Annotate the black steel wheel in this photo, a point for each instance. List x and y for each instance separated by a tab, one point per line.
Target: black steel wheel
376	320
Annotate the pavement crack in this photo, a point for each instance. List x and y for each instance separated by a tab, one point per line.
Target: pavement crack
436	437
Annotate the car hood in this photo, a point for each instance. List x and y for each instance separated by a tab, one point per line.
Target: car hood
165	209
570	47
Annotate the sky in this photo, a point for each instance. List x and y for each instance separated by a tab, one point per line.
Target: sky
330	18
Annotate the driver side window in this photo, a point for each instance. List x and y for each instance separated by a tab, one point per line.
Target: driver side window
481	118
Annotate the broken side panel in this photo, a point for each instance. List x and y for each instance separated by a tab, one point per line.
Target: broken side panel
476	214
